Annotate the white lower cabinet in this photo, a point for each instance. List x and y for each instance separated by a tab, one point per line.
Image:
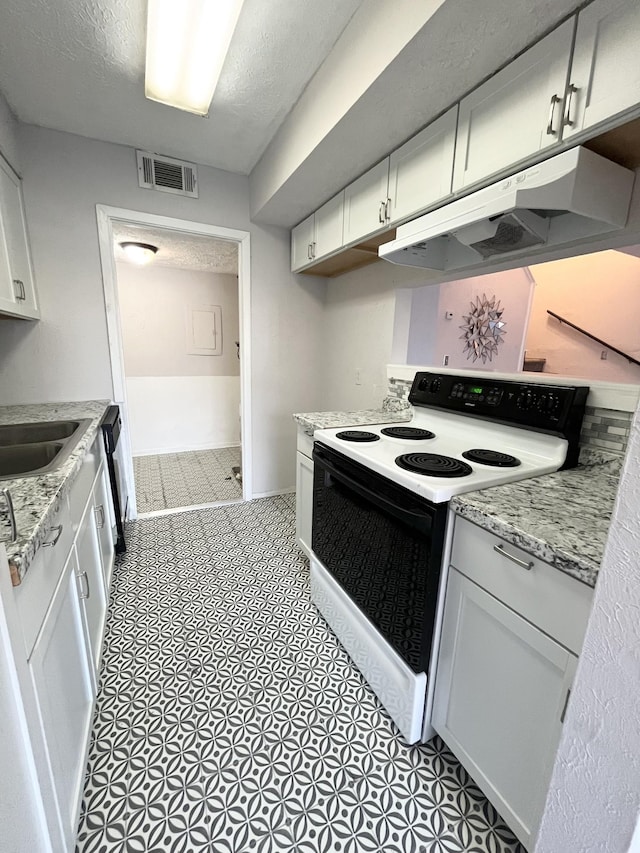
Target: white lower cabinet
304	491
502	687
64	693
511	632
60	612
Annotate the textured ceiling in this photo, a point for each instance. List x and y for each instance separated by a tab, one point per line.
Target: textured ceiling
179	249
78	66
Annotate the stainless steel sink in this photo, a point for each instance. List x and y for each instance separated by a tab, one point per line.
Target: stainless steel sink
36	432
27	450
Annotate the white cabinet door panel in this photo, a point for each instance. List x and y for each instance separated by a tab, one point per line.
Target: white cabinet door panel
304	501
500	692
364	204
301	242
328	227
606	68
91	585
62	682
421	171
516	113
13	224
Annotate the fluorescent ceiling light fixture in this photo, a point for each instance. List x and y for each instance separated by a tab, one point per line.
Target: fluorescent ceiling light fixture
139	253
187	42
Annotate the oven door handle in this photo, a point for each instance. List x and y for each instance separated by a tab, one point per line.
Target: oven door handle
417	520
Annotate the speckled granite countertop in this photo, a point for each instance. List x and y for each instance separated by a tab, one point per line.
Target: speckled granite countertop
36	499
561	518
392	412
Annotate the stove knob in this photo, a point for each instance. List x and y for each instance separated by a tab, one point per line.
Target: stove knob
422	385
525	400
541	402
435	386
553	402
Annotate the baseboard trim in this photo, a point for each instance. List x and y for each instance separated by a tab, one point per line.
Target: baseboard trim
273	494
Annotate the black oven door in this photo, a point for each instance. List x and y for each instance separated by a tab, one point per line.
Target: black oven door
383	544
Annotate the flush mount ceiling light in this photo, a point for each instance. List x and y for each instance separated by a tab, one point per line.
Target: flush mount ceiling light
139	253
186	46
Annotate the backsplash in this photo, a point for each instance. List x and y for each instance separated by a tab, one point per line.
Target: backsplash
602	429
606	429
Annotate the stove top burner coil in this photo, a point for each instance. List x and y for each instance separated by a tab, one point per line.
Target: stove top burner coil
433	465
357	435
491	457
407	432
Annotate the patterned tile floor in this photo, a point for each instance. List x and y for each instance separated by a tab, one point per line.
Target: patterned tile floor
173	480
230	720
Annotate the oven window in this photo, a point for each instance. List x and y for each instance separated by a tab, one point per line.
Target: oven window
384	547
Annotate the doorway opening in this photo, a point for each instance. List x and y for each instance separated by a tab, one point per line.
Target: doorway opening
178	337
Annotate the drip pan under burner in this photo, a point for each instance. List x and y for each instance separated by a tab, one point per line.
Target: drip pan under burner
412	433
433	465
491	457
357	435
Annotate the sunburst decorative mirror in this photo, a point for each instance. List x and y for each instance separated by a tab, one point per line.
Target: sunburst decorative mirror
483	329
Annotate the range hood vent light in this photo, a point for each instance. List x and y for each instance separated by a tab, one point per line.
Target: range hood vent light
566	200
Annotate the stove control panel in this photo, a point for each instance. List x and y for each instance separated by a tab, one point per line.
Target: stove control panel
556	409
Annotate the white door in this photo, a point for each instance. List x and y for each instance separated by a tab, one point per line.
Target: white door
501	691
605	74
328	227
304	501
515	114
302	244
365	204
421	171
91	585
17	245
62	682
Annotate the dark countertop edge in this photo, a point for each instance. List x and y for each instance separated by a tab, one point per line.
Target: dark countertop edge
20	554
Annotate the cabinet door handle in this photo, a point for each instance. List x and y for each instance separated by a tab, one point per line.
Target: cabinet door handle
85	592
566	703
99	511
309	251
387	210
567	121
313	251
552	114
499	549
58	528
6	494
18	287
381	213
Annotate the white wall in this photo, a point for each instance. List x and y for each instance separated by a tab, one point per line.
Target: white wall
65	355
358	333
177	401
173	414
598	292
594	798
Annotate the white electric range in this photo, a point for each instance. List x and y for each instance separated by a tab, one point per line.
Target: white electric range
380	510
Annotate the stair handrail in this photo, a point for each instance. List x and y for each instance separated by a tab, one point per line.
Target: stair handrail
584	332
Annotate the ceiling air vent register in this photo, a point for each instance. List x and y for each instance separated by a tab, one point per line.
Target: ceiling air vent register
166	174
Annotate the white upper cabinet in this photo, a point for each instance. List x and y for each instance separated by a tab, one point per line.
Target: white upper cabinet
318	235
366	204
605	74
420	171
517	113
302	244
17	286
328	227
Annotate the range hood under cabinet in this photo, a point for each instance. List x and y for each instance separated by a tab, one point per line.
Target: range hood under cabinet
572	196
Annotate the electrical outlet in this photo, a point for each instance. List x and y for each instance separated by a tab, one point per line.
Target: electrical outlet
445	361
358	376
603	355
